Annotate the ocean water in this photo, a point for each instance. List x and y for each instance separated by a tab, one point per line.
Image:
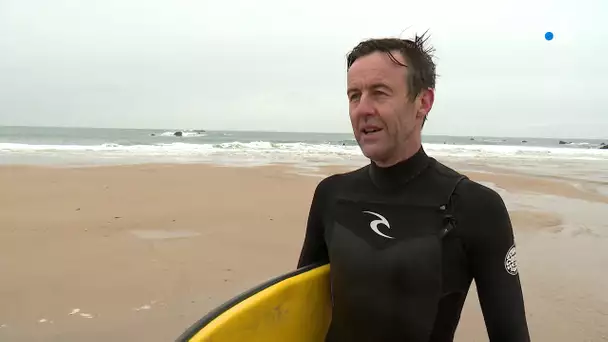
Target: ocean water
95	146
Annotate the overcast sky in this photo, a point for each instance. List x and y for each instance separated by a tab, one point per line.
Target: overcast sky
279	65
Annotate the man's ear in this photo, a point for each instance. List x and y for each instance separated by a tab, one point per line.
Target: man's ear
426	98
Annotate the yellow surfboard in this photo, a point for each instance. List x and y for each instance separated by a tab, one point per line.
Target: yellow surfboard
294	307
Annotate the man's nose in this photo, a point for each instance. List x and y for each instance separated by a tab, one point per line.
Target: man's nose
365	106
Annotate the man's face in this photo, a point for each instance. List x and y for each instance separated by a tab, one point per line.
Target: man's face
383	118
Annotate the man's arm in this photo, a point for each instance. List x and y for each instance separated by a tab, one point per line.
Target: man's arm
491	250
314	249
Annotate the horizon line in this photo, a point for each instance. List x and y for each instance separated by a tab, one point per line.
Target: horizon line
297	132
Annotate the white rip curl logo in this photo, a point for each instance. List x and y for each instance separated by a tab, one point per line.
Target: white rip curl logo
511	261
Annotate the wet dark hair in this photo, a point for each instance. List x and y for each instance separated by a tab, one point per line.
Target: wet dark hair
417	55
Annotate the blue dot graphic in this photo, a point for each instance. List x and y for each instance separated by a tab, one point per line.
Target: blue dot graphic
549	35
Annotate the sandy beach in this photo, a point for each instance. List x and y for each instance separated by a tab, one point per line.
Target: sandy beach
140	252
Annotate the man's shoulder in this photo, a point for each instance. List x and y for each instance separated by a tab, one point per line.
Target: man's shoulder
474	195
341	179
471	193
483	215
345	177
442	170
466	186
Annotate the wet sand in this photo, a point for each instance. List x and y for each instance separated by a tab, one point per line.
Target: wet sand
140	252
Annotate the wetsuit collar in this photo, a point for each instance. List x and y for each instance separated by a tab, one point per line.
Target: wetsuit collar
400	173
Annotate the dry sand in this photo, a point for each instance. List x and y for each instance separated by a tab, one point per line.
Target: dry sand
138	253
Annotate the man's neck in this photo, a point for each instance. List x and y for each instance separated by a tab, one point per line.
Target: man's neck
399	173
405	153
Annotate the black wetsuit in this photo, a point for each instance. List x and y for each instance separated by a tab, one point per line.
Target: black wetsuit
435	232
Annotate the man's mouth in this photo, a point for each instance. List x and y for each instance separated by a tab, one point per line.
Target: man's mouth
370	130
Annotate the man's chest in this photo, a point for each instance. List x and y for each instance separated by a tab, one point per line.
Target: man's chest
382	223
395	239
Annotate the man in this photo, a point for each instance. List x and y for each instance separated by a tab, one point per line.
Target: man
405	235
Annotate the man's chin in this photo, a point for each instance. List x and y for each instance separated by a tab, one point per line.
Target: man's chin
373	152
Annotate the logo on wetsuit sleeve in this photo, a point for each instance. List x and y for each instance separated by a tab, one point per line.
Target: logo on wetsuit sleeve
381	220
511	261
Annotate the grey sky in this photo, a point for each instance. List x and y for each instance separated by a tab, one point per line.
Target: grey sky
276	65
